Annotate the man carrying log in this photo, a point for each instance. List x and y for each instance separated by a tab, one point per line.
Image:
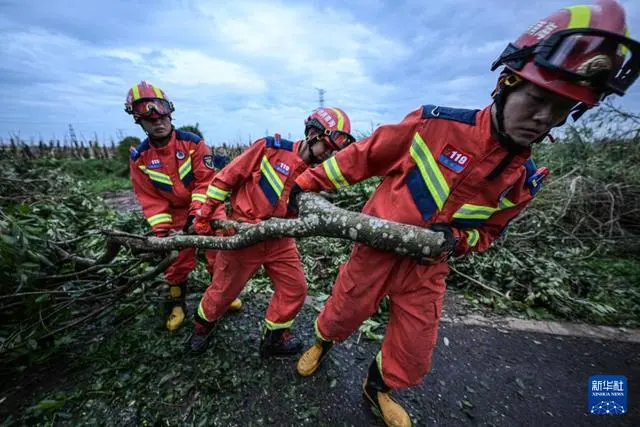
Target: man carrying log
466	174
259	182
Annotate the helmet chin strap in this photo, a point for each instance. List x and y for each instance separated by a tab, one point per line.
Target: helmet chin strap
500	99
513	149
310	143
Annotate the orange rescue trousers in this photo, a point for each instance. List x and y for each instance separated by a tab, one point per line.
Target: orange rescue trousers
416	294
234	268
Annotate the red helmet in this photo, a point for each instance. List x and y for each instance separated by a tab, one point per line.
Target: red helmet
332	122
581	52
146	101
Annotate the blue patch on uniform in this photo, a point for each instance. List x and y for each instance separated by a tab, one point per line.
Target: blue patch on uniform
220	161
461	115
454	166
187	136
162	186
420	194
155	164
465	224
534	178
142	147
187	179
281	144
283	168
269	192
454	159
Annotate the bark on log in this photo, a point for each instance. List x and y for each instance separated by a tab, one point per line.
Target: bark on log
317	217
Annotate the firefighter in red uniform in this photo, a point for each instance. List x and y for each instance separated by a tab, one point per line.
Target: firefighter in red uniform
466	174
259	182
170	172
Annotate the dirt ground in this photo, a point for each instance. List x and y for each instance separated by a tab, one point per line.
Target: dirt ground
139	374
480	376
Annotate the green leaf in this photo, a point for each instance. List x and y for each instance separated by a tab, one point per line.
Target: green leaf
50	404
43	298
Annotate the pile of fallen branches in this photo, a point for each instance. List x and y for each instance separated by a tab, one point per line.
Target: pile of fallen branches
72	261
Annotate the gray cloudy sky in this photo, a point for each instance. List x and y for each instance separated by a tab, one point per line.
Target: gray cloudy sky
246	67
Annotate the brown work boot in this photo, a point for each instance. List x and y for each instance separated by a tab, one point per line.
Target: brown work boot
310	361
376	392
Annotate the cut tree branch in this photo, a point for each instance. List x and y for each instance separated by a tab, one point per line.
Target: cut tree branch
318	217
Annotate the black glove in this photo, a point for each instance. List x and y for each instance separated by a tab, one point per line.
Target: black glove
450	242
447	249
293	198
188	224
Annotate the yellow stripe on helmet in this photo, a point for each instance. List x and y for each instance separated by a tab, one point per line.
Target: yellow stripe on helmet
340	118
623	50
580	16
158	92
136	92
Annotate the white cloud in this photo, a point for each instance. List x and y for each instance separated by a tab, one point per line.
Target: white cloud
240	68
192	68
324	48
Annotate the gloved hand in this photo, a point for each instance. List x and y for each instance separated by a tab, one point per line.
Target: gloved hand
202	217
187	226
447	249
292	205
206	214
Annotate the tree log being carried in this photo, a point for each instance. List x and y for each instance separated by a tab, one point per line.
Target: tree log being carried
317	217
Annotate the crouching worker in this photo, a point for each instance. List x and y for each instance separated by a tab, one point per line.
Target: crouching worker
259	182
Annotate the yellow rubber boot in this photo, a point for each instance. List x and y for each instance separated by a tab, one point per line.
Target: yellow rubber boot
175	318
176	308
376	392
310	360
235	305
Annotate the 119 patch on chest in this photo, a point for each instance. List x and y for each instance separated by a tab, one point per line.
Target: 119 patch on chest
283	168
454	159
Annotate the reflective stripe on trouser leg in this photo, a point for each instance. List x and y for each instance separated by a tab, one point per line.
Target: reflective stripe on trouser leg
284	268
360	286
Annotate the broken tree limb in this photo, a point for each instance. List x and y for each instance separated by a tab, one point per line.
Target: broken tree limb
317	217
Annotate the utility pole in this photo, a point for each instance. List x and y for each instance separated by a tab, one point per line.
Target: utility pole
321	93
72	134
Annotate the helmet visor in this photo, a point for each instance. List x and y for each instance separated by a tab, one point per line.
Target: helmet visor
341	139
589	57
338	139
152	108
